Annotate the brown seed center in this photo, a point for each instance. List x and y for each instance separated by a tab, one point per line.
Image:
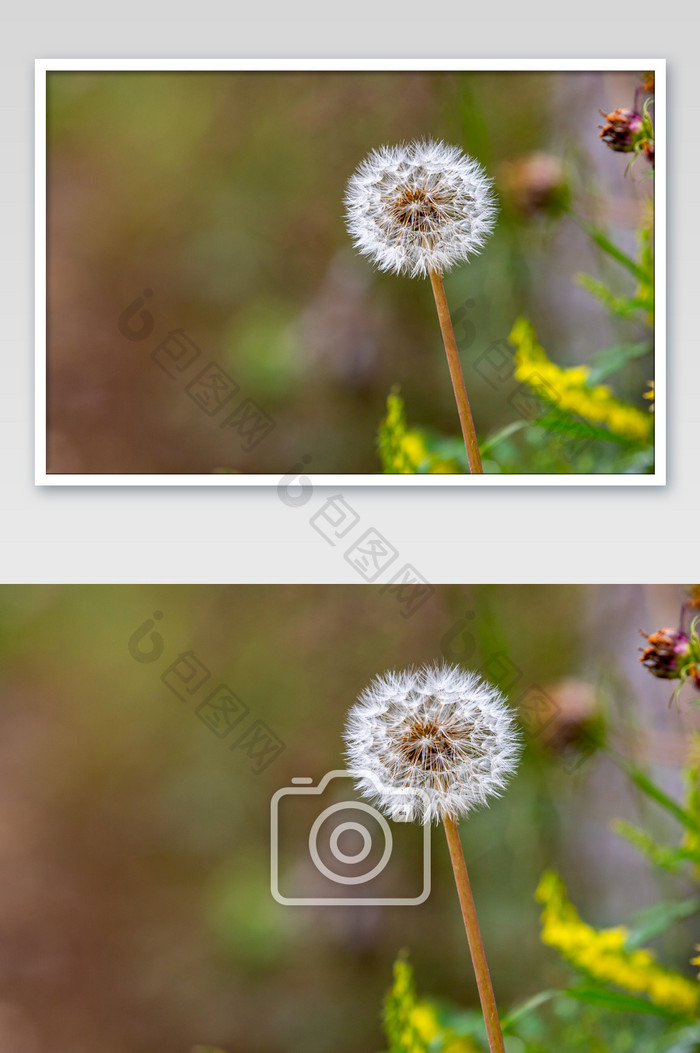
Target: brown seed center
418	209
427	746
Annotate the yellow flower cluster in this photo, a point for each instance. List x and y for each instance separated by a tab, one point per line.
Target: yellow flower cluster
400	1007
696	961
650	395
414	1026
602	954
426	1022
566	389
404	451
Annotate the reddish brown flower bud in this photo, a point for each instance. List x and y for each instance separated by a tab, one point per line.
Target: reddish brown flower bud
666	648
620	131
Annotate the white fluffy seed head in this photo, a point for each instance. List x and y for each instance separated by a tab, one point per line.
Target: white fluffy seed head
443	734
419	207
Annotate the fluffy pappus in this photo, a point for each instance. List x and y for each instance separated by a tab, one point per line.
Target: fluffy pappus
419	207
440	731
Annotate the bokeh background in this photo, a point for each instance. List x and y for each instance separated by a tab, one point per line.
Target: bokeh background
135	909
221	194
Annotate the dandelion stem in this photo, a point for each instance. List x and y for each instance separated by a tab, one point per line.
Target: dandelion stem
471	924
460	390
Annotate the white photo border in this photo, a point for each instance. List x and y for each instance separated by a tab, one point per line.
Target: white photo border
45	66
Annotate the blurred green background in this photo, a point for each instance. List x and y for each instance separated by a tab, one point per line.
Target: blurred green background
135	909
221	193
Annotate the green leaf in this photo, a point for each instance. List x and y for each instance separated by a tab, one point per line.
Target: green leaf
652	921
624	1003
670	859
445	447
527	1007
623	306
650	788
686	1041
603	242
568	425
462	1022
606	363
503	433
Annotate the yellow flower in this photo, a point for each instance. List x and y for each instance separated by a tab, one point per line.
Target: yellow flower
461	1045
404	451
566	390
601	953
413	446
425	1020
650	394
696	961
407	1023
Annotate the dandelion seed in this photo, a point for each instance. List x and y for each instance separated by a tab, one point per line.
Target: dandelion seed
440	730
418	209
449	736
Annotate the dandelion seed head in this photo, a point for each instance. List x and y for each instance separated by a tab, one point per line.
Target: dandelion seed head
433	741
419	207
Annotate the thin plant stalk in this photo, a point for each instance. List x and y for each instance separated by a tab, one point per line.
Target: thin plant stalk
476	946
463	408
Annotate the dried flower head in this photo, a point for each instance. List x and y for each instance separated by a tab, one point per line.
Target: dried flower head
440	731
674	655
666	650
419	207
621	130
